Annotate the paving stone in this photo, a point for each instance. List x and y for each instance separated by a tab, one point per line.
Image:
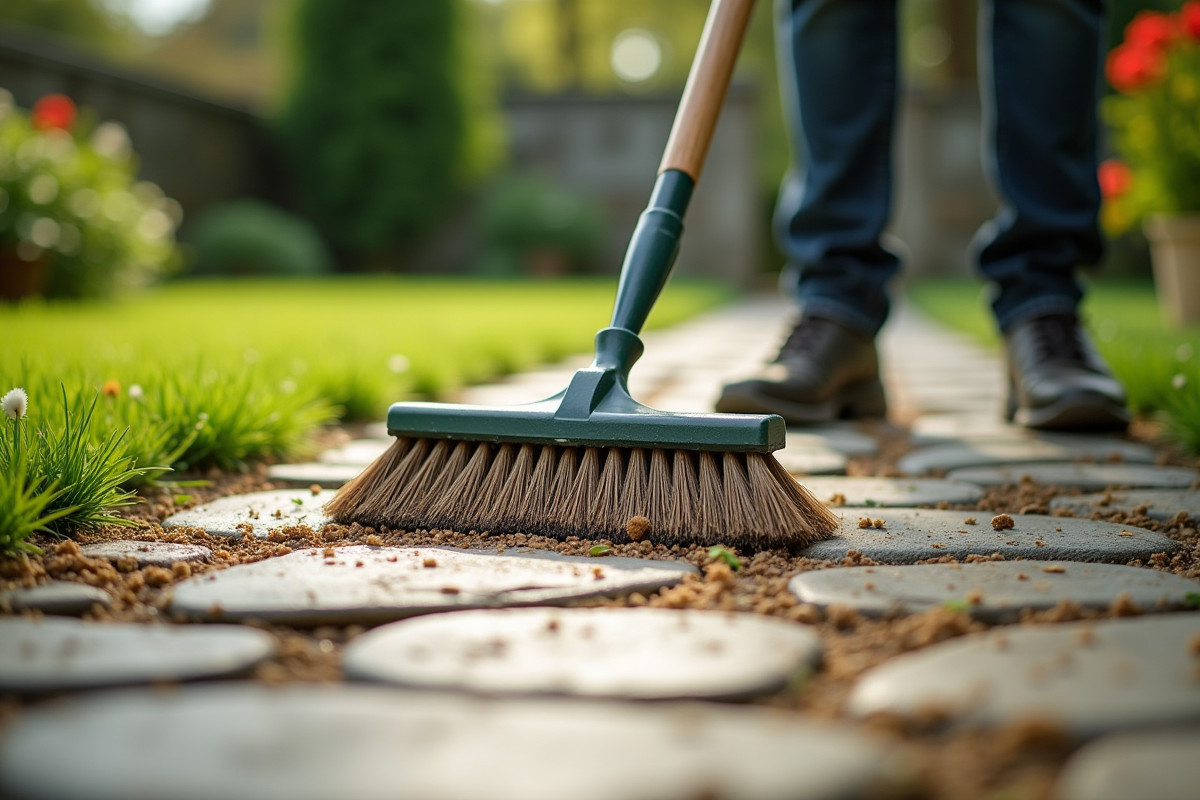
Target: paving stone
1081	476
359	452
55	654
1162	504
370	743
636	653
937	428
365	584
56	597
912	534
229	516
330	476
909	492
1152	765
376	430
1092	677
157	554
842	438
808	460
983	452
994	591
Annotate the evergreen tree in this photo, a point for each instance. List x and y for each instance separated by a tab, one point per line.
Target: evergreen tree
374	124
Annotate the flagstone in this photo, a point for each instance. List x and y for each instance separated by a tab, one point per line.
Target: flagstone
57	597
904	492
366	584
157	554
263	512
808	460
55	654
981	452
909	534
1090	677
369	743
636	653
329	476
1080	476
994	591
1160	504
1153	765
843	438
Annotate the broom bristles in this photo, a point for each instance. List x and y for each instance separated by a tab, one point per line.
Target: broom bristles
747	500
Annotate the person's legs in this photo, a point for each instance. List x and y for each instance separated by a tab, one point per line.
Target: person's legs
1040	67
838	74
837	67
1040	82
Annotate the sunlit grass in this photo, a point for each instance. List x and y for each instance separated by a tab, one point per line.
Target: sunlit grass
1159	365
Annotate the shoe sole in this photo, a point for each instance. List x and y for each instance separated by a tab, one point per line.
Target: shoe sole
1084	411
863	400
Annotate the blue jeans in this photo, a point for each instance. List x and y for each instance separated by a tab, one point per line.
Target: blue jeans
1040	67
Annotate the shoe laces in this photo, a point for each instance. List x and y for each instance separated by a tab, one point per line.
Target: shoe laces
1058	337
805	336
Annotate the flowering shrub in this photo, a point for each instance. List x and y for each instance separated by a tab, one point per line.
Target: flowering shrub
71	211
1155	118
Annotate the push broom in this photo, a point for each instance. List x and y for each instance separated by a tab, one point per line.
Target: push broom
591	461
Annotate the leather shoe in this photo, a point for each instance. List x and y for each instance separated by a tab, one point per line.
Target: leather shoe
823	372
1058	381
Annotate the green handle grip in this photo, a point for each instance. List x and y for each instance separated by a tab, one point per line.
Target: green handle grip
652	250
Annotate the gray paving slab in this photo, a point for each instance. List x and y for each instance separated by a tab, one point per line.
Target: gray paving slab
55	653
1081	476
805	460
330	476
1091	677
358	452
365	584
632	653
984	452
1160	504
1148	765
157	554
841	437
371	743
905	492
939	428
993	591
910	535
57	597
262	511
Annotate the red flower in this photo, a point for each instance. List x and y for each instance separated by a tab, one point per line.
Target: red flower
1130	67
54	111
1115	178
1189	19
1151	30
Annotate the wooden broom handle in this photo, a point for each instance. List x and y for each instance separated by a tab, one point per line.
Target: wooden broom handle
706	85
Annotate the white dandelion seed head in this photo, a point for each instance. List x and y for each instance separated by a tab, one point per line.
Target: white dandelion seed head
136	392
1179	381
15	403
398	363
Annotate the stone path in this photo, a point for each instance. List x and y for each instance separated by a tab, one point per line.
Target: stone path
370	743
995	591
601	652
1157	765
1090	677
368	585
377	741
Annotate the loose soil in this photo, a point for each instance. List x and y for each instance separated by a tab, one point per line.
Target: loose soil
1019	760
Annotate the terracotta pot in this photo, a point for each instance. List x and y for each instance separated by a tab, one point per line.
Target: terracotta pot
19	278
1175	253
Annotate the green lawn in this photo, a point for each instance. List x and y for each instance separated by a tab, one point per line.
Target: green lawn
267	360
1159	366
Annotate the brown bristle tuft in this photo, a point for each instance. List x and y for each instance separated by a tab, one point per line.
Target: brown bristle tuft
747	500
681	521
710	510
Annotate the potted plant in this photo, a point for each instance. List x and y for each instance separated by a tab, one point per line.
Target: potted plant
1155	118
74	221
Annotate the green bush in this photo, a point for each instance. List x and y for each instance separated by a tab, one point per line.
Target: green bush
71	207
526	217
374	124
249	237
